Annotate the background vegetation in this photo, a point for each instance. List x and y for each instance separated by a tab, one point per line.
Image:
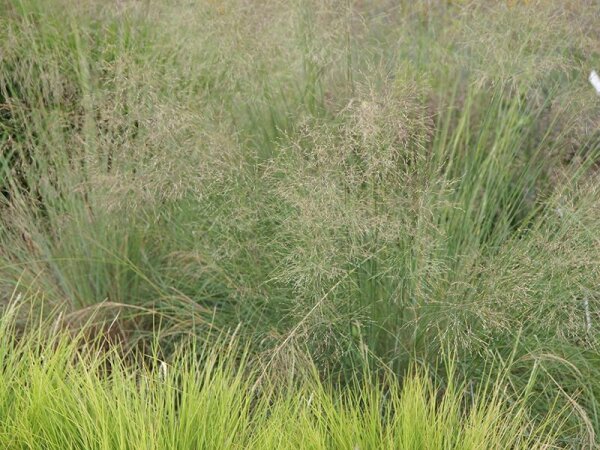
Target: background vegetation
349	190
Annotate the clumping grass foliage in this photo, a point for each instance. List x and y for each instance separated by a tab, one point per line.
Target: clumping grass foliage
299	224
62	391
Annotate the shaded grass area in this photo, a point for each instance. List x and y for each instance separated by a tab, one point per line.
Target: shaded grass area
346	187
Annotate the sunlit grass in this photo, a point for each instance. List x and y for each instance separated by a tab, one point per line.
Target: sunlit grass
61	390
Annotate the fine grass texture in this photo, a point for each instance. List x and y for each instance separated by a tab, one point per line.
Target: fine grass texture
348	189
61	391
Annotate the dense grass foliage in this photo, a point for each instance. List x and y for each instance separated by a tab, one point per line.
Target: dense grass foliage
347	187
61	391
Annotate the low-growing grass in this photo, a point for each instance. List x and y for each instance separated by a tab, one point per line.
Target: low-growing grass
60	390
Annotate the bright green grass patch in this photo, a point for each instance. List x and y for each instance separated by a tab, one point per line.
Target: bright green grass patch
59	391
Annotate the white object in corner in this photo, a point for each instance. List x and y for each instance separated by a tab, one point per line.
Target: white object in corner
595	80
